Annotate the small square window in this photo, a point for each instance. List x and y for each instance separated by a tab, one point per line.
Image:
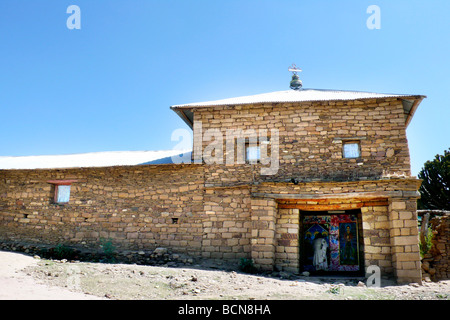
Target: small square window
62	194
253	154
351	150
62	190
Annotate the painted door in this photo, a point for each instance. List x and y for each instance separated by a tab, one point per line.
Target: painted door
330	242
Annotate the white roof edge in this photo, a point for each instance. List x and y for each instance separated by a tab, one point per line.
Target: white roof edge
86	160
304	95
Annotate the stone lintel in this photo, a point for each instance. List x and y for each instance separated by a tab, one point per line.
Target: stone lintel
347	195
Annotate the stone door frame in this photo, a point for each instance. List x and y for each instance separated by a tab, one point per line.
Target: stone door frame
389	224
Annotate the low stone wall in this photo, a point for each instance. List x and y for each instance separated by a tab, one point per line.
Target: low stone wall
158	256
435	263
137	208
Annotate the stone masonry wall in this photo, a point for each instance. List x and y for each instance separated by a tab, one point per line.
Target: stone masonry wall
264	212
227	223
375	243
145	207
311	136
388	214
232	211
404	239
436	262
287	256
132	206
377	249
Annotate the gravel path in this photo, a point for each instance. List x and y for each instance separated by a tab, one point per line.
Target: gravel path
18	285
27	278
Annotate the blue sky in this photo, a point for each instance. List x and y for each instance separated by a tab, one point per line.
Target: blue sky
109	85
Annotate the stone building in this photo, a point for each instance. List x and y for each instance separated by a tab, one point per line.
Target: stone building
270	174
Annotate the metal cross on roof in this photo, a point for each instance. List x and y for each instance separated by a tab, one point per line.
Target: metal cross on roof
294	69
296	83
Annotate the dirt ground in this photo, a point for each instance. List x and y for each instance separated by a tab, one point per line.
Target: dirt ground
27	278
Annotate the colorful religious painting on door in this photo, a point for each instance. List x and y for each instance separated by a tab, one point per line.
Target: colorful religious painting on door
330	243
316	242
348	243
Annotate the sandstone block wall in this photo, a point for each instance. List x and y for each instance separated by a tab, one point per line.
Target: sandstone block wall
144	207
227	224
232	211
404	238
375	227
136	207
311	136
436	262
263	242
287	256
388	229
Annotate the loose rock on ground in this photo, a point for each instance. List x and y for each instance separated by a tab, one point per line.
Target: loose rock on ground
25	277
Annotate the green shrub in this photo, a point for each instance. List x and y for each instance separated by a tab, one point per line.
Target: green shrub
335	290
246	265
109	251
425	247
63	252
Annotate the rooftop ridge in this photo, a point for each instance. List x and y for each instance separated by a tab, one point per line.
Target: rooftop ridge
303	95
